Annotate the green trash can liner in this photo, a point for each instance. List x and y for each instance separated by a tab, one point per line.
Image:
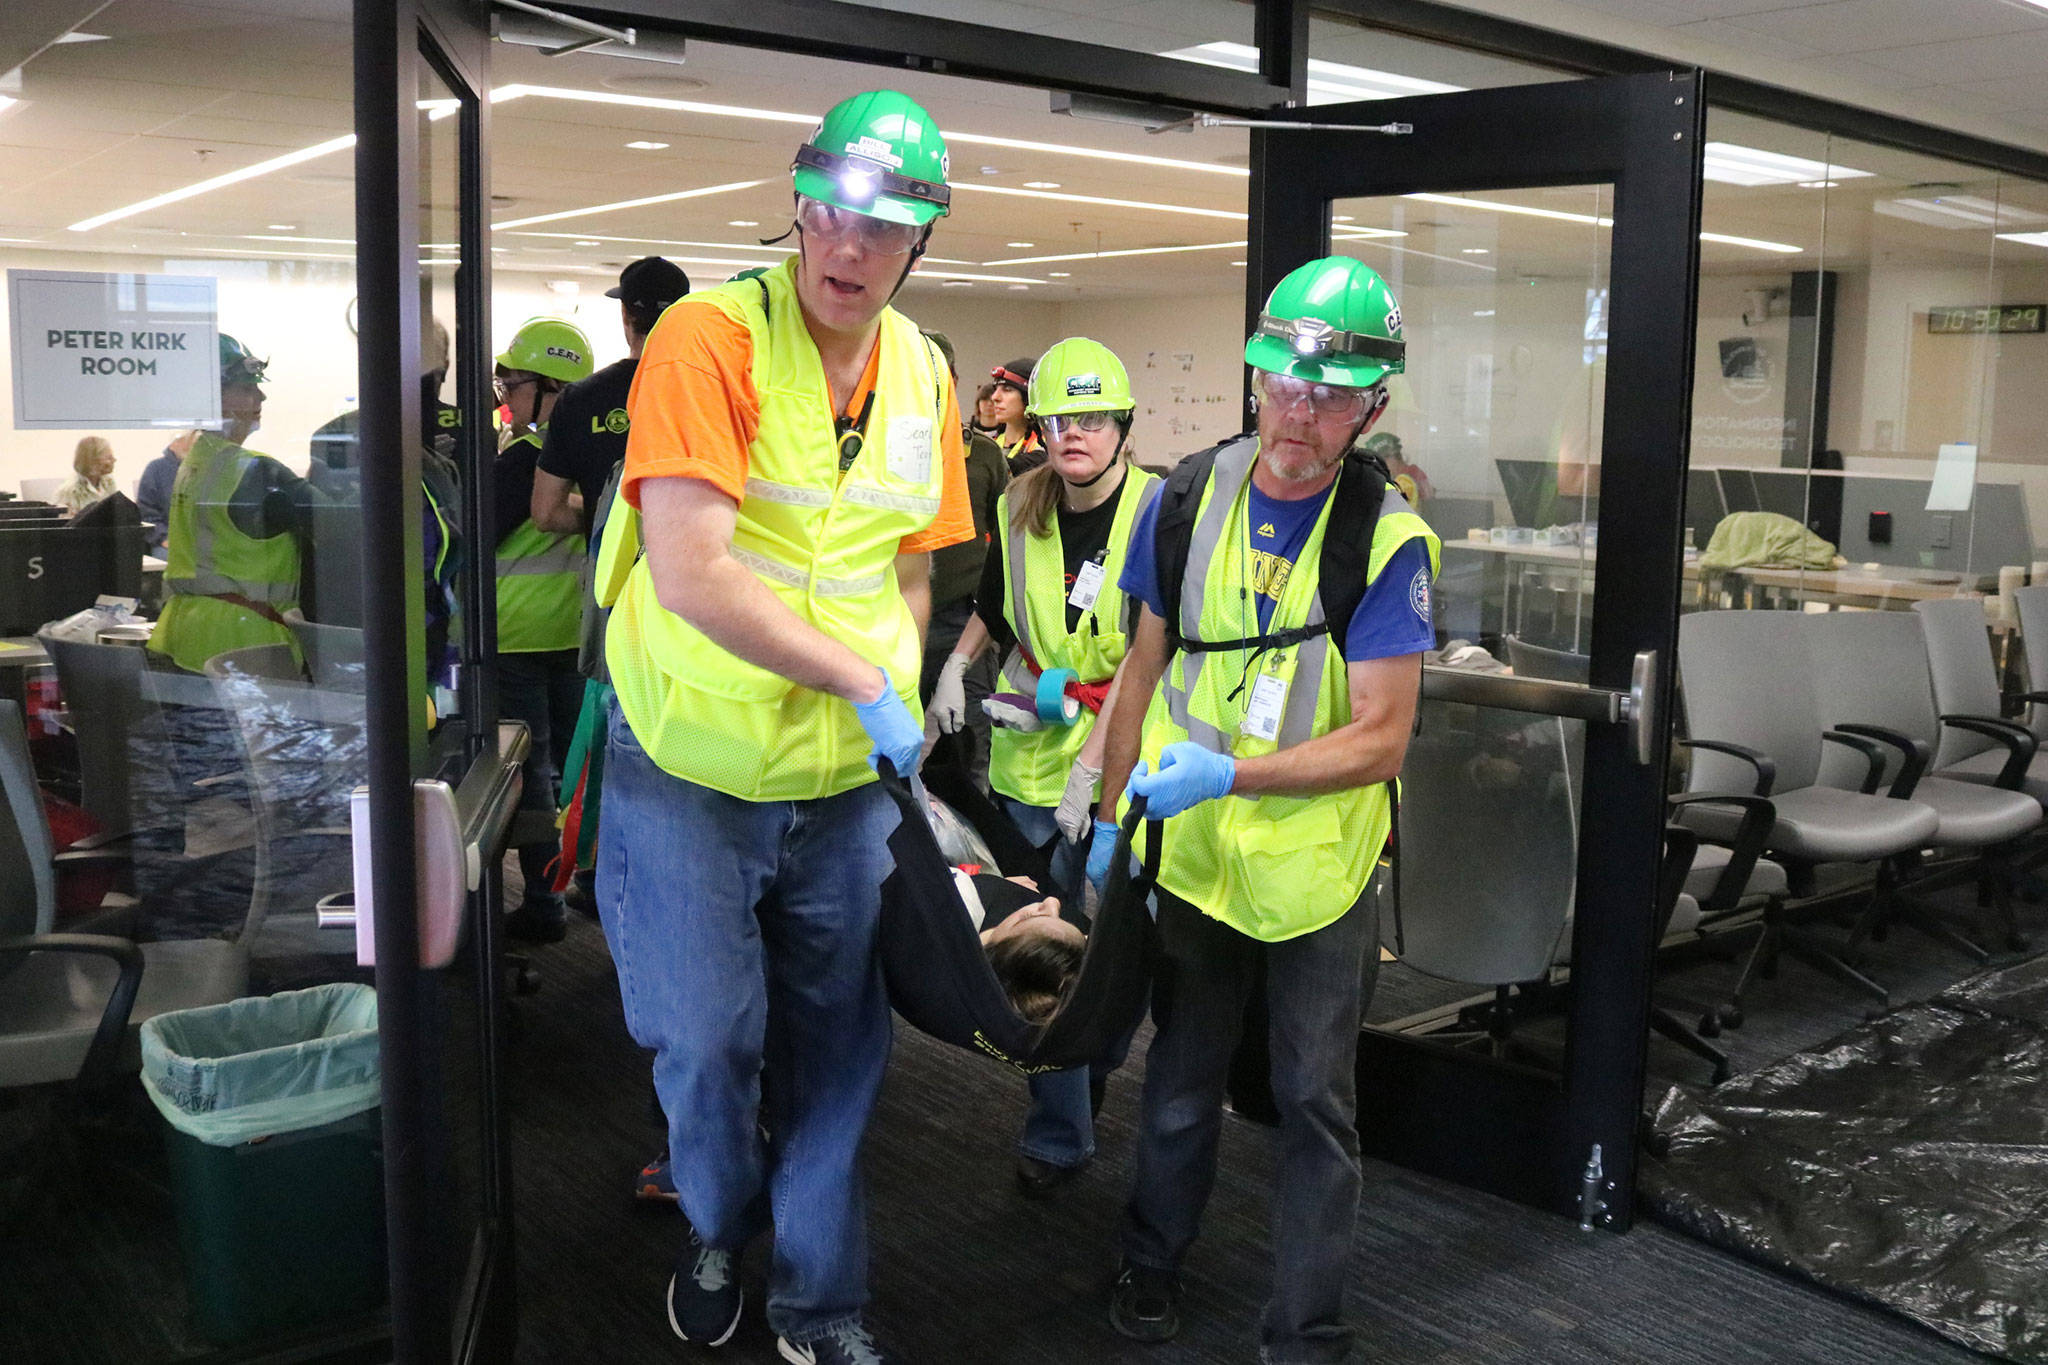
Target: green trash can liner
276	1157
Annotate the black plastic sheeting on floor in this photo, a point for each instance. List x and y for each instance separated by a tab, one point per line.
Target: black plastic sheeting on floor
1905	1164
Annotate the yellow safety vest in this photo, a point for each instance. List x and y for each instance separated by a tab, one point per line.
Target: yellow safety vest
209	561
1276	867
540	586
823	542
1032	767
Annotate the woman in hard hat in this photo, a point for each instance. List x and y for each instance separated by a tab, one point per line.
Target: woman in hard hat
1050	596
540	597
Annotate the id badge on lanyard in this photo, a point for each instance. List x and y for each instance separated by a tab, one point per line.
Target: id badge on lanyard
1268	703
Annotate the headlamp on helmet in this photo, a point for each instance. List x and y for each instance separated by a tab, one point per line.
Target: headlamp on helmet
1313	337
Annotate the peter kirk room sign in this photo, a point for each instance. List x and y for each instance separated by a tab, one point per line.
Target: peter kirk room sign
95	351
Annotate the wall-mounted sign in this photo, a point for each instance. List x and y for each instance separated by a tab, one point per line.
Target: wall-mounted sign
1990	317
113	350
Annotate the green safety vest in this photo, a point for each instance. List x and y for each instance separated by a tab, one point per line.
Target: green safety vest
540	587
1275	867
1032	767
224	587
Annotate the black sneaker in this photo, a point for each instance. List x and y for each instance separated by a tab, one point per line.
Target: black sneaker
1039	1179
704	1297
1146	1303
849	1345
532	923
582	896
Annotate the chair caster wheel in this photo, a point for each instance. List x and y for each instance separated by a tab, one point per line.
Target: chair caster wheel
1730	1016
526	981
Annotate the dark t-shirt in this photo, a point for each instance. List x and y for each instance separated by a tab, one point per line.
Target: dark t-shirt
586	433
956	570
1083	536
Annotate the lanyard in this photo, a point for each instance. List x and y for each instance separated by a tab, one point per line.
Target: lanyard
852	432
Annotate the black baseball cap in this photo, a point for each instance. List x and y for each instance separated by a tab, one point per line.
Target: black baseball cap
651	279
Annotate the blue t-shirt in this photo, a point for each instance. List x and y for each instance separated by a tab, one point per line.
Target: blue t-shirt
1393	618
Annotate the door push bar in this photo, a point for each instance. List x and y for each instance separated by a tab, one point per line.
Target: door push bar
1635	708
456	830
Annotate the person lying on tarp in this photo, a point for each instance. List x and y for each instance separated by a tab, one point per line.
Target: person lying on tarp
1034	953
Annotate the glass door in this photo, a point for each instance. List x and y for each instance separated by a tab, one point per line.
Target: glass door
442	780
1542	242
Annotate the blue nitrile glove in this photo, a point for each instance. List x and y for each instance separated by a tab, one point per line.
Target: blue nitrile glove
1101	851
1188	775
897	735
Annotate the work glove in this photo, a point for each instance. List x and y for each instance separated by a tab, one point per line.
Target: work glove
896	733
948	710
1012	711
1101	852
1188	775
1077	802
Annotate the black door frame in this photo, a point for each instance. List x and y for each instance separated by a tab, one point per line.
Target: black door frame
1503	1128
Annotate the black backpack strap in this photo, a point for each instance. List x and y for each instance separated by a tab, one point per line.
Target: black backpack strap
1179	500
1346	560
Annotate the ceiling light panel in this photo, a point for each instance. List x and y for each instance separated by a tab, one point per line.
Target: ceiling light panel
1328	82
1732	164
617	206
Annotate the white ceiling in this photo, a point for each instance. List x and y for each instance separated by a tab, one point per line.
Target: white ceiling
188	89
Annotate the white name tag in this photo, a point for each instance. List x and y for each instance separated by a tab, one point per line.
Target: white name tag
909	446
1268	703
1087	585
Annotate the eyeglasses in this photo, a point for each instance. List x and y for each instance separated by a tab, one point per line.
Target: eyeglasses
831	221
1078	421
1337	401
502	387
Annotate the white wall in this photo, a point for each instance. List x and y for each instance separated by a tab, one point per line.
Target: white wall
1186	358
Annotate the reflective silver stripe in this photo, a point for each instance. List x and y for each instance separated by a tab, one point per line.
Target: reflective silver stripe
797	578
867	496
1298	721
791	494
768	568
1198	730
559	559
1019	675
1226	479
1020	608
218	585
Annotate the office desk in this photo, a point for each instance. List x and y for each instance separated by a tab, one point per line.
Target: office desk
1852	587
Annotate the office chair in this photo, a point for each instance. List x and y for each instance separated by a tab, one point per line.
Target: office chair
1868	667
1754	716
1978	743
1530	660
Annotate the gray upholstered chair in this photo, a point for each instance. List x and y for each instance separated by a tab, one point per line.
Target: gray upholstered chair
70	1004
2033	608
1531	660
1978	744
1867	665
1754	718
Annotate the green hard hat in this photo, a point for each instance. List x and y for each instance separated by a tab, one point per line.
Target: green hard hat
1332	321
551	347
1078	375
878	153
752	272
237	366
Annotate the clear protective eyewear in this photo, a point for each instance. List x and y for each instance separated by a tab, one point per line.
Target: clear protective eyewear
502	387
1339	401
837	224
1077	421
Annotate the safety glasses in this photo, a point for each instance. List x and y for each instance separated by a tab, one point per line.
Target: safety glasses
832	223
1325	401
503	387
1078	421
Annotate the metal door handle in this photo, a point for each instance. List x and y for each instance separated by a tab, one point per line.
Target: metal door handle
1639	706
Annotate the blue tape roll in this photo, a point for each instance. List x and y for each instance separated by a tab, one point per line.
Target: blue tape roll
1055	707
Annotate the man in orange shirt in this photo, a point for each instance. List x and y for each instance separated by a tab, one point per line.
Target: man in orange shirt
794	457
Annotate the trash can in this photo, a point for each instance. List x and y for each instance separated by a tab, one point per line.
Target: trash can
276	1156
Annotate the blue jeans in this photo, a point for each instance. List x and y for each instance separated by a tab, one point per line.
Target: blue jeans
744	937
544	690
1059	1128
1317	986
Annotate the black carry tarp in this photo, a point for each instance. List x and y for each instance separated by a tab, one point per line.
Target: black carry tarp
1906	1163
939	978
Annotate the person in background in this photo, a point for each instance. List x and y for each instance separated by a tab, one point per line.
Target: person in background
153	493
985	410
956	573
1409	478
236	529
92	464
586	436
1014	431
540	598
